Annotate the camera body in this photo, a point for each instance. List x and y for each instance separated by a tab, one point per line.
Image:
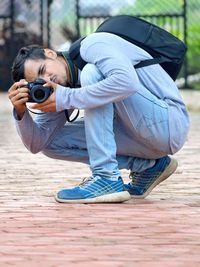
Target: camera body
37	92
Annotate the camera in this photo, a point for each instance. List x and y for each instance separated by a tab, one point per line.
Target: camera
37	92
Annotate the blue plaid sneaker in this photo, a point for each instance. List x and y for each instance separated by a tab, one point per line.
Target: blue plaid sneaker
143	183
95	190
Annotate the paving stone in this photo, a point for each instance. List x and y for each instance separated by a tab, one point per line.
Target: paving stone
162	230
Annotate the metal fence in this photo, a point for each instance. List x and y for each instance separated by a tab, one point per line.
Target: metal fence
20	24
56	24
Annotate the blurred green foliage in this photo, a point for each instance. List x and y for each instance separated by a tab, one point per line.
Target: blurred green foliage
155	7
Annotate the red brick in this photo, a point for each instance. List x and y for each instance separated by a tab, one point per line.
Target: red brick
162	230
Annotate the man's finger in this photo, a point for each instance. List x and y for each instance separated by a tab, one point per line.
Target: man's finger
40	105
17	85
47	108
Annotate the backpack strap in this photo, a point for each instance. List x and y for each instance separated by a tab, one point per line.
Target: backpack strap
152	61
74	54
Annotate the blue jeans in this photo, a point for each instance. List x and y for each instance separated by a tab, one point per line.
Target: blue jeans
129	134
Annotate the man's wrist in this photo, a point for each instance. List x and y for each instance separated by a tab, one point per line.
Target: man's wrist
19	114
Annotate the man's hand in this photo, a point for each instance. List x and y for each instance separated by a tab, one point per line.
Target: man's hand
18	95
50	104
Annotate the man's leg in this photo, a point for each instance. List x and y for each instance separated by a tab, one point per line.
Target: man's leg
101	142
105	185
146	119
70	144
146	139
132	153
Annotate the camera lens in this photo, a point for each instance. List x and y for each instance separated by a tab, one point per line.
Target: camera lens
39	94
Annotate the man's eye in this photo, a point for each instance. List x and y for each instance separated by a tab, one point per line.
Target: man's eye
43	70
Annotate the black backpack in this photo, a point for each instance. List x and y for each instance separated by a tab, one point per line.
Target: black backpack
166	49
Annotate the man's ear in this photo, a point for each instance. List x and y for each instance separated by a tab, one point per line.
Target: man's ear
50	53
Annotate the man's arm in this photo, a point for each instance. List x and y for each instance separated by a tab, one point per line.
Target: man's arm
35	134
38	133
120	79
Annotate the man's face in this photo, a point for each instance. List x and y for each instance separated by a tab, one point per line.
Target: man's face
53	68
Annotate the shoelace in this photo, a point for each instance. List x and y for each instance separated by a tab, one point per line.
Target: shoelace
86	181
132	177
137	179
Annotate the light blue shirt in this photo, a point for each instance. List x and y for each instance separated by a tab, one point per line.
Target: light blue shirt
114	57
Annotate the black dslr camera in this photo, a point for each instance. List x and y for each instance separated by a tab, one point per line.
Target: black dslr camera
37	92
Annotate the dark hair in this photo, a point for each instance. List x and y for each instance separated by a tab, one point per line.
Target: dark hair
25	53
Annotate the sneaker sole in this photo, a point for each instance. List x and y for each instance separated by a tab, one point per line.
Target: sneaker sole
167	172
109	198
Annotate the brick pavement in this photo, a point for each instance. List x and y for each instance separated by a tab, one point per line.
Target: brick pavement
163	230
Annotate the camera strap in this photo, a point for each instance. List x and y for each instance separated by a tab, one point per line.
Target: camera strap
68	117
66	114
73	70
